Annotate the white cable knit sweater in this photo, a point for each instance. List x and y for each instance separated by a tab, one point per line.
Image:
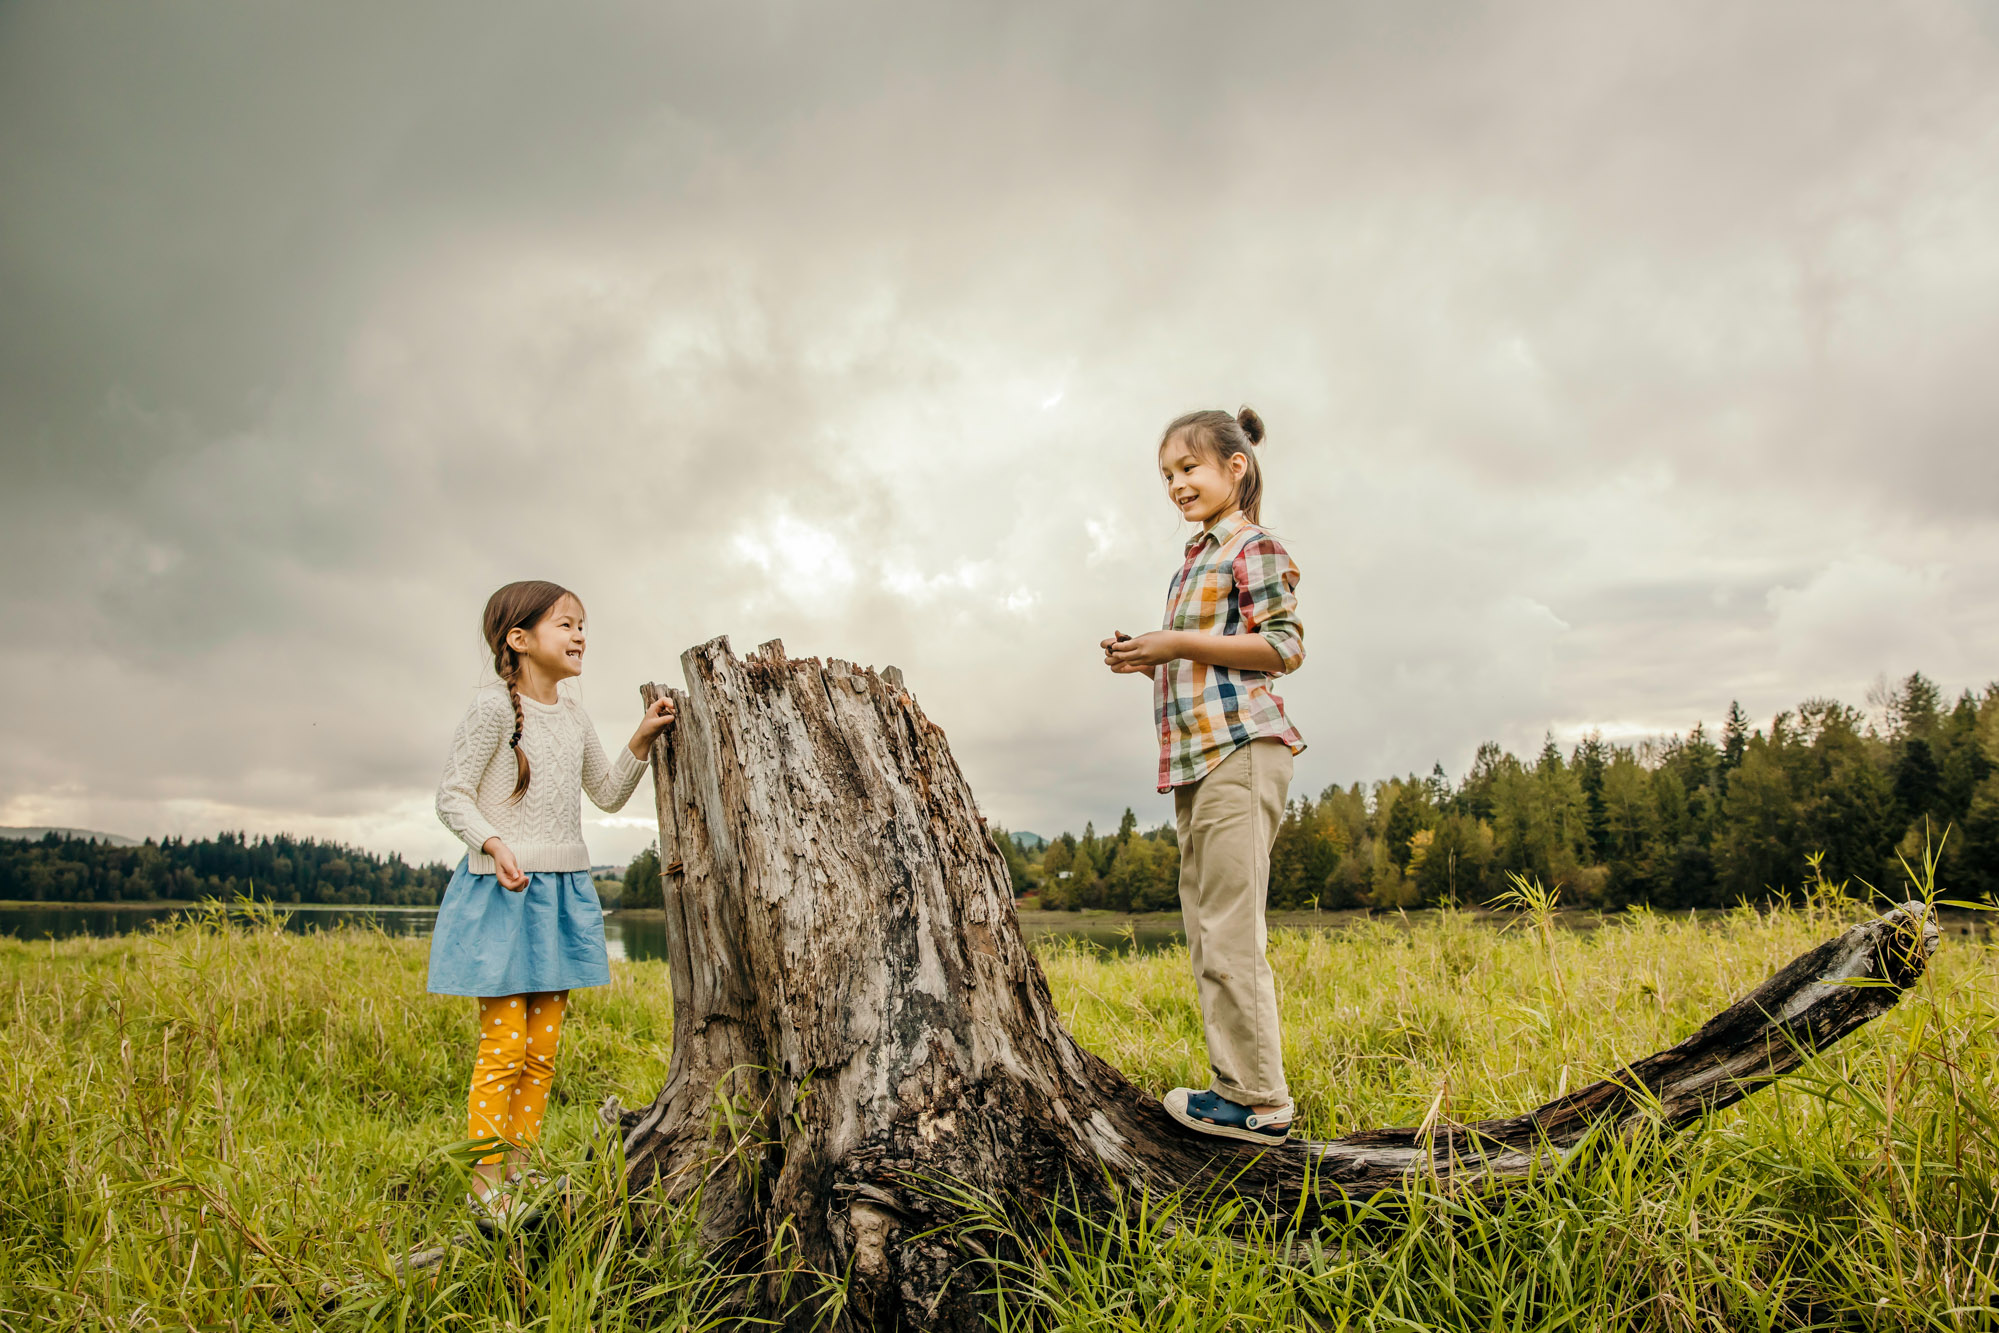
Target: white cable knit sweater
544	829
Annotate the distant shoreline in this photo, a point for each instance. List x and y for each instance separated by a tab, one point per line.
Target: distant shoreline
1151	924
137	905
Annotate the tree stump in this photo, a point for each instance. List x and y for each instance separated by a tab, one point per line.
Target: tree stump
859	1029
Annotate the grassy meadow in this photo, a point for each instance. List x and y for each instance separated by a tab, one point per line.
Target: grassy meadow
220	1125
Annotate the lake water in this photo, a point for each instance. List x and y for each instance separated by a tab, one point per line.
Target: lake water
631	935
642	935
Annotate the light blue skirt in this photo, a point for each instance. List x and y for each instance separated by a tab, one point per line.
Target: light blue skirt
488	941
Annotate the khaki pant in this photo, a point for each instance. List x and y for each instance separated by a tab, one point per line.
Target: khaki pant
1226	822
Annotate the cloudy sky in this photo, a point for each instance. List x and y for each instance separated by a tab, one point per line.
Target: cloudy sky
1619	360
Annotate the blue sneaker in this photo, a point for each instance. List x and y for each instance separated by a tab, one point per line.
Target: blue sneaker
1211	1113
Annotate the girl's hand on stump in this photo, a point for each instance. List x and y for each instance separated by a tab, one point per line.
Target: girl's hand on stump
658	717
1140	655
505	867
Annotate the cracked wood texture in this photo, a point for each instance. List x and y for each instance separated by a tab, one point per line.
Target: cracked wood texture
859	1030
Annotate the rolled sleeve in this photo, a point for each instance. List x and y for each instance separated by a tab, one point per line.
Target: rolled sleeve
1266	583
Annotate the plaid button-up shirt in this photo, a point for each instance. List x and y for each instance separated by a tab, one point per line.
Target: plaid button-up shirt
1237	579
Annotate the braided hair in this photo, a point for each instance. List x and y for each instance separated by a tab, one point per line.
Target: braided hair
1217	436
518	606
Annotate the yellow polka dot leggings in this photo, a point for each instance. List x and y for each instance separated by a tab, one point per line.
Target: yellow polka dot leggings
516	1066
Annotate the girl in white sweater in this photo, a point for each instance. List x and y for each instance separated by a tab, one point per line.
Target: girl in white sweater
520	926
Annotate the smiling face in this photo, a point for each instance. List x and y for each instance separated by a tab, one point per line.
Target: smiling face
1200	487
555	642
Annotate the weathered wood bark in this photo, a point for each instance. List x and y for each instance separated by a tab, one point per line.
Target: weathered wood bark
857	1020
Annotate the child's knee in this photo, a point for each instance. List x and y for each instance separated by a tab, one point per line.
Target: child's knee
504	1020
503	1035
544	1033
544	1021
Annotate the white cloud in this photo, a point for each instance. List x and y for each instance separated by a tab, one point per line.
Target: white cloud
801	562
1866	615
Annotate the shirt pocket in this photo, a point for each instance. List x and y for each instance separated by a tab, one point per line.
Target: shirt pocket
1205	600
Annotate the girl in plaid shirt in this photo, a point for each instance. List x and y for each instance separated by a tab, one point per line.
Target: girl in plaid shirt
1225	749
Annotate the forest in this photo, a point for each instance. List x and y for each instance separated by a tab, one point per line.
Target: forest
282	869
1686	821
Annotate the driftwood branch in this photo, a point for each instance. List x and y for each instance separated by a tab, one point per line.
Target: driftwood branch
1804	1008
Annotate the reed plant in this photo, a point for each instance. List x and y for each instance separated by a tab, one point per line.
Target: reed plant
222	1124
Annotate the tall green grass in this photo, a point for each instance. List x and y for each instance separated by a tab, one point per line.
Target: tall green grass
222	1125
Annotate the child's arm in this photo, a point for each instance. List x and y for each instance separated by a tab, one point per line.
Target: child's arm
1266	584
479	737
1241	652
657	717
609	784
1267	595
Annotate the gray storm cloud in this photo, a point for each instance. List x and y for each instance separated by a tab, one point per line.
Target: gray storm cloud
1619	360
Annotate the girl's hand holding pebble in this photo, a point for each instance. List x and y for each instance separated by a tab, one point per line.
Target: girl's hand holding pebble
1124	654
658	717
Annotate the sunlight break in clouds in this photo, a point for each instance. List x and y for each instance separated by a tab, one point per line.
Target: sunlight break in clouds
807	563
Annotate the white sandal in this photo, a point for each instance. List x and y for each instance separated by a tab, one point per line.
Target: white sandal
490	1211
532	1189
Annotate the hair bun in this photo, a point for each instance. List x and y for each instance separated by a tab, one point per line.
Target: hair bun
1251	423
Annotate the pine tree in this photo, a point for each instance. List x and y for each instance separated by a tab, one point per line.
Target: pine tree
1016	860
1734	736
1475	794
1913	710
1918	779
1406	809
1591	758
643	885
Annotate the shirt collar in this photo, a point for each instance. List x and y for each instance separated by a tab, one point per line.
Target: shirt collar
1222	529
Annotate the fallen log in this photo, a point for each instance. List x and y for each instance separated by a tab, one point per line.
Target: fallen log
857	1020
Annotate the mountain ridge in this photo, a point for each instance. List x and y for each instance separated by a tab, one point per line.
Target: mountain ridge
35	833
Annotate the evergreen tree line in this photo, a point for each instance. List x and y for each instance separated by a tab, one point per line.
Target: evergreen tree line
1688	821
643	885
282	869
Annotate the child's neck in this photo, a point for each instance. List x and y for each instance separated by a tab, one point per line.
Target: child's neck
1222	517
535	685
